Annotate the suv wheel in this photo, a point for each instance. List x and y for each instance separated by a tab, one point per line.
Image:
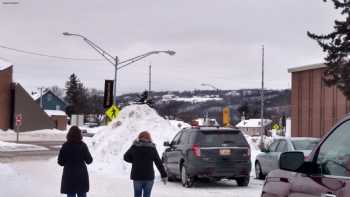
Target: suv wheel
243	181
186	180
258	171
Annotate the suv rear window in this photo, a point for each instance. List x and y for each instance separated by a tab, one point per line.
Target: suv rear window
219	137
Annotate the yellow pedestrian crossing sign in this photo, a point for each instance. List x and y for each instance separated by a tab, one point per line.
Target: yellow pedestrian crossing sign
112	112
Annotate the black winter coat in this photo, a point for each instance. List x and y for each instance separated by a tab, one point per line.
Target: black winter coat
142	155
75	178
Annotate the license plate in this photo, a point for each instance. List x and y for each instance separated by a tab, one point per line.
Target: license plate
225	152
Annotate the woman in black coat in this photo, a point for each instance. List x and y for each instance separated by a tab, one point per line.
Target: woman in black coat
142	154
74	155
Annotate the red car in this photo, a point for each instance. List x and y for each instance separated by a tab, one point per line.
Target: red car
325	173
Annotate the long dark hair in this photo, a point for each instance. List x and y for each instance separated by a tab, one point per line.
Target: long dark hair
74	135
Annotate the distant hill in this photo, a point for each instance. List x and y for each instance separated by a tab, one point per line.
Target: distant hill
188	105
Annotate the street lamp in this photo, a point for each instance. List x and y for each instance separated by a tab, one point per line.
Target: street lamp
115	60
212	86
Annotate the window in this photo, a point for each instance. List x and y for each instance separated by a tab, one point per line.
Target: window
176	139
218	138
184	138
334	154
273	146
308	144
282	147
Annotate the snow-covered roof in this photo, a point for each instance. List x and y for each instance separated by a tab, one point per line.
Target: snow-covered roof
232	93
251	123
306	67
55	113
4	64
36	94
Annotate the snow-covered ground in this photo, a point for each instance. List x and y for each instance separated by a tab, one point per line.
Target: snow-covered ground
11	147
195	99
109	174
40	135
42	179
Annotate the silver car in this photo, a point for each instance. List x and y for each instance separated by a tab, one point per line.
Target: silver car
267	160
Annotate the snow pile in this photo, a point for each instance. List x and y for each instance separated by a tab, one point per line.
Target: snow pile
109	144
12	147
254	143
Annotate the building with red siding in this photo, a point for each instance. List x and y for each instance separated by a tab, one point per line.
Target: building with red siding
315	106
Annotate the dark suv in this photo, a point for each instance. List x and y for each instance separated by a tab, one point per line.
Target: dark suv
208	152
325	172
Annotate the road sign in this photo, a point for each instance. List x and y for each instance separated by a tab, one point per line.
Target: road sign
19	120
108	94
276	127
112	112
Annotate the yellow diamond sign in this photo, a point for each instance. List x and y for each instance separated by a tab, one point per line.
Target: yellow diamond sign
112	112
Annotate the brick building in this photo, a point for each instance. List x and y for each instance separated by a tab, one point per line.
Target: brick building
6	104
14	100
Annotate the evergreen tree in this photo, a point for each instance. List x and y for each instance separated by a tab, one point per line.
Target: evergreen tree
76	96
337	46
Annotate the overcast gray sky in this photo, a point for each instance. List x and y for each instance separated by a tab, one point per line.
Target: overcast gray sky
216	41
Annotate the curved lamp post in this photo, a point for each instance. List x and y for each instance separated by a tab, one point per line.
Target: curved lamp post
114	60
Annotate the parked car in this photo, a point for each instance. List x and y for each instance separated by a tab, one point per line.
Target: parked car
268	159
91	124
325	173
208	152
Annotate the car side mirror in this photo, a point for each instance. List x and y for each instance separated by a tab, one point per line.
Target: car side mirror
166	143
291	161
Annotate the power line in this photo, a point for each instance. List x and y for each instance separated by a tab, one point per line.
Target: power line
47	55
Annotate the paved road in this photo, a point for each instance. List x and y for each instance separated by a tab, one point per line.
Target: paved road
52	146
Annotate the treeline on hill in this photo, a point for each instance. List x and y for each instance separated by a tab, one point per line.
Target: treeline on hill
241	102
172	105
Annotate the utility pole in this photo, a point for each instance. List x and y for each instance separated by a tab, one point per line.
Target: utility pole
262	95
116	62
41	96
149	81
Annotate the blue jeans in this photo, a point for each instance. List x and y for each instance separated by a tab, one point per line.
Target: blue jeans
144	187
79	195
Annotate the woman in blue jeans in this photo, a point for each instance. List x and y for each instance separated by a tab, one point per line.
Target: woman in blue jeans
142	154
73	156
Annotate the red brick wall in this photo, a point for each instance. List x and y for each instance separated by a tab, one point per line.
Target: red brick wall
5	98
60	122
315	107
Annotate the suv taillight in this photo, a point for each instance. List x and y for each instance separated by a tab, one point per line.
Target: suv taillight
196	150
